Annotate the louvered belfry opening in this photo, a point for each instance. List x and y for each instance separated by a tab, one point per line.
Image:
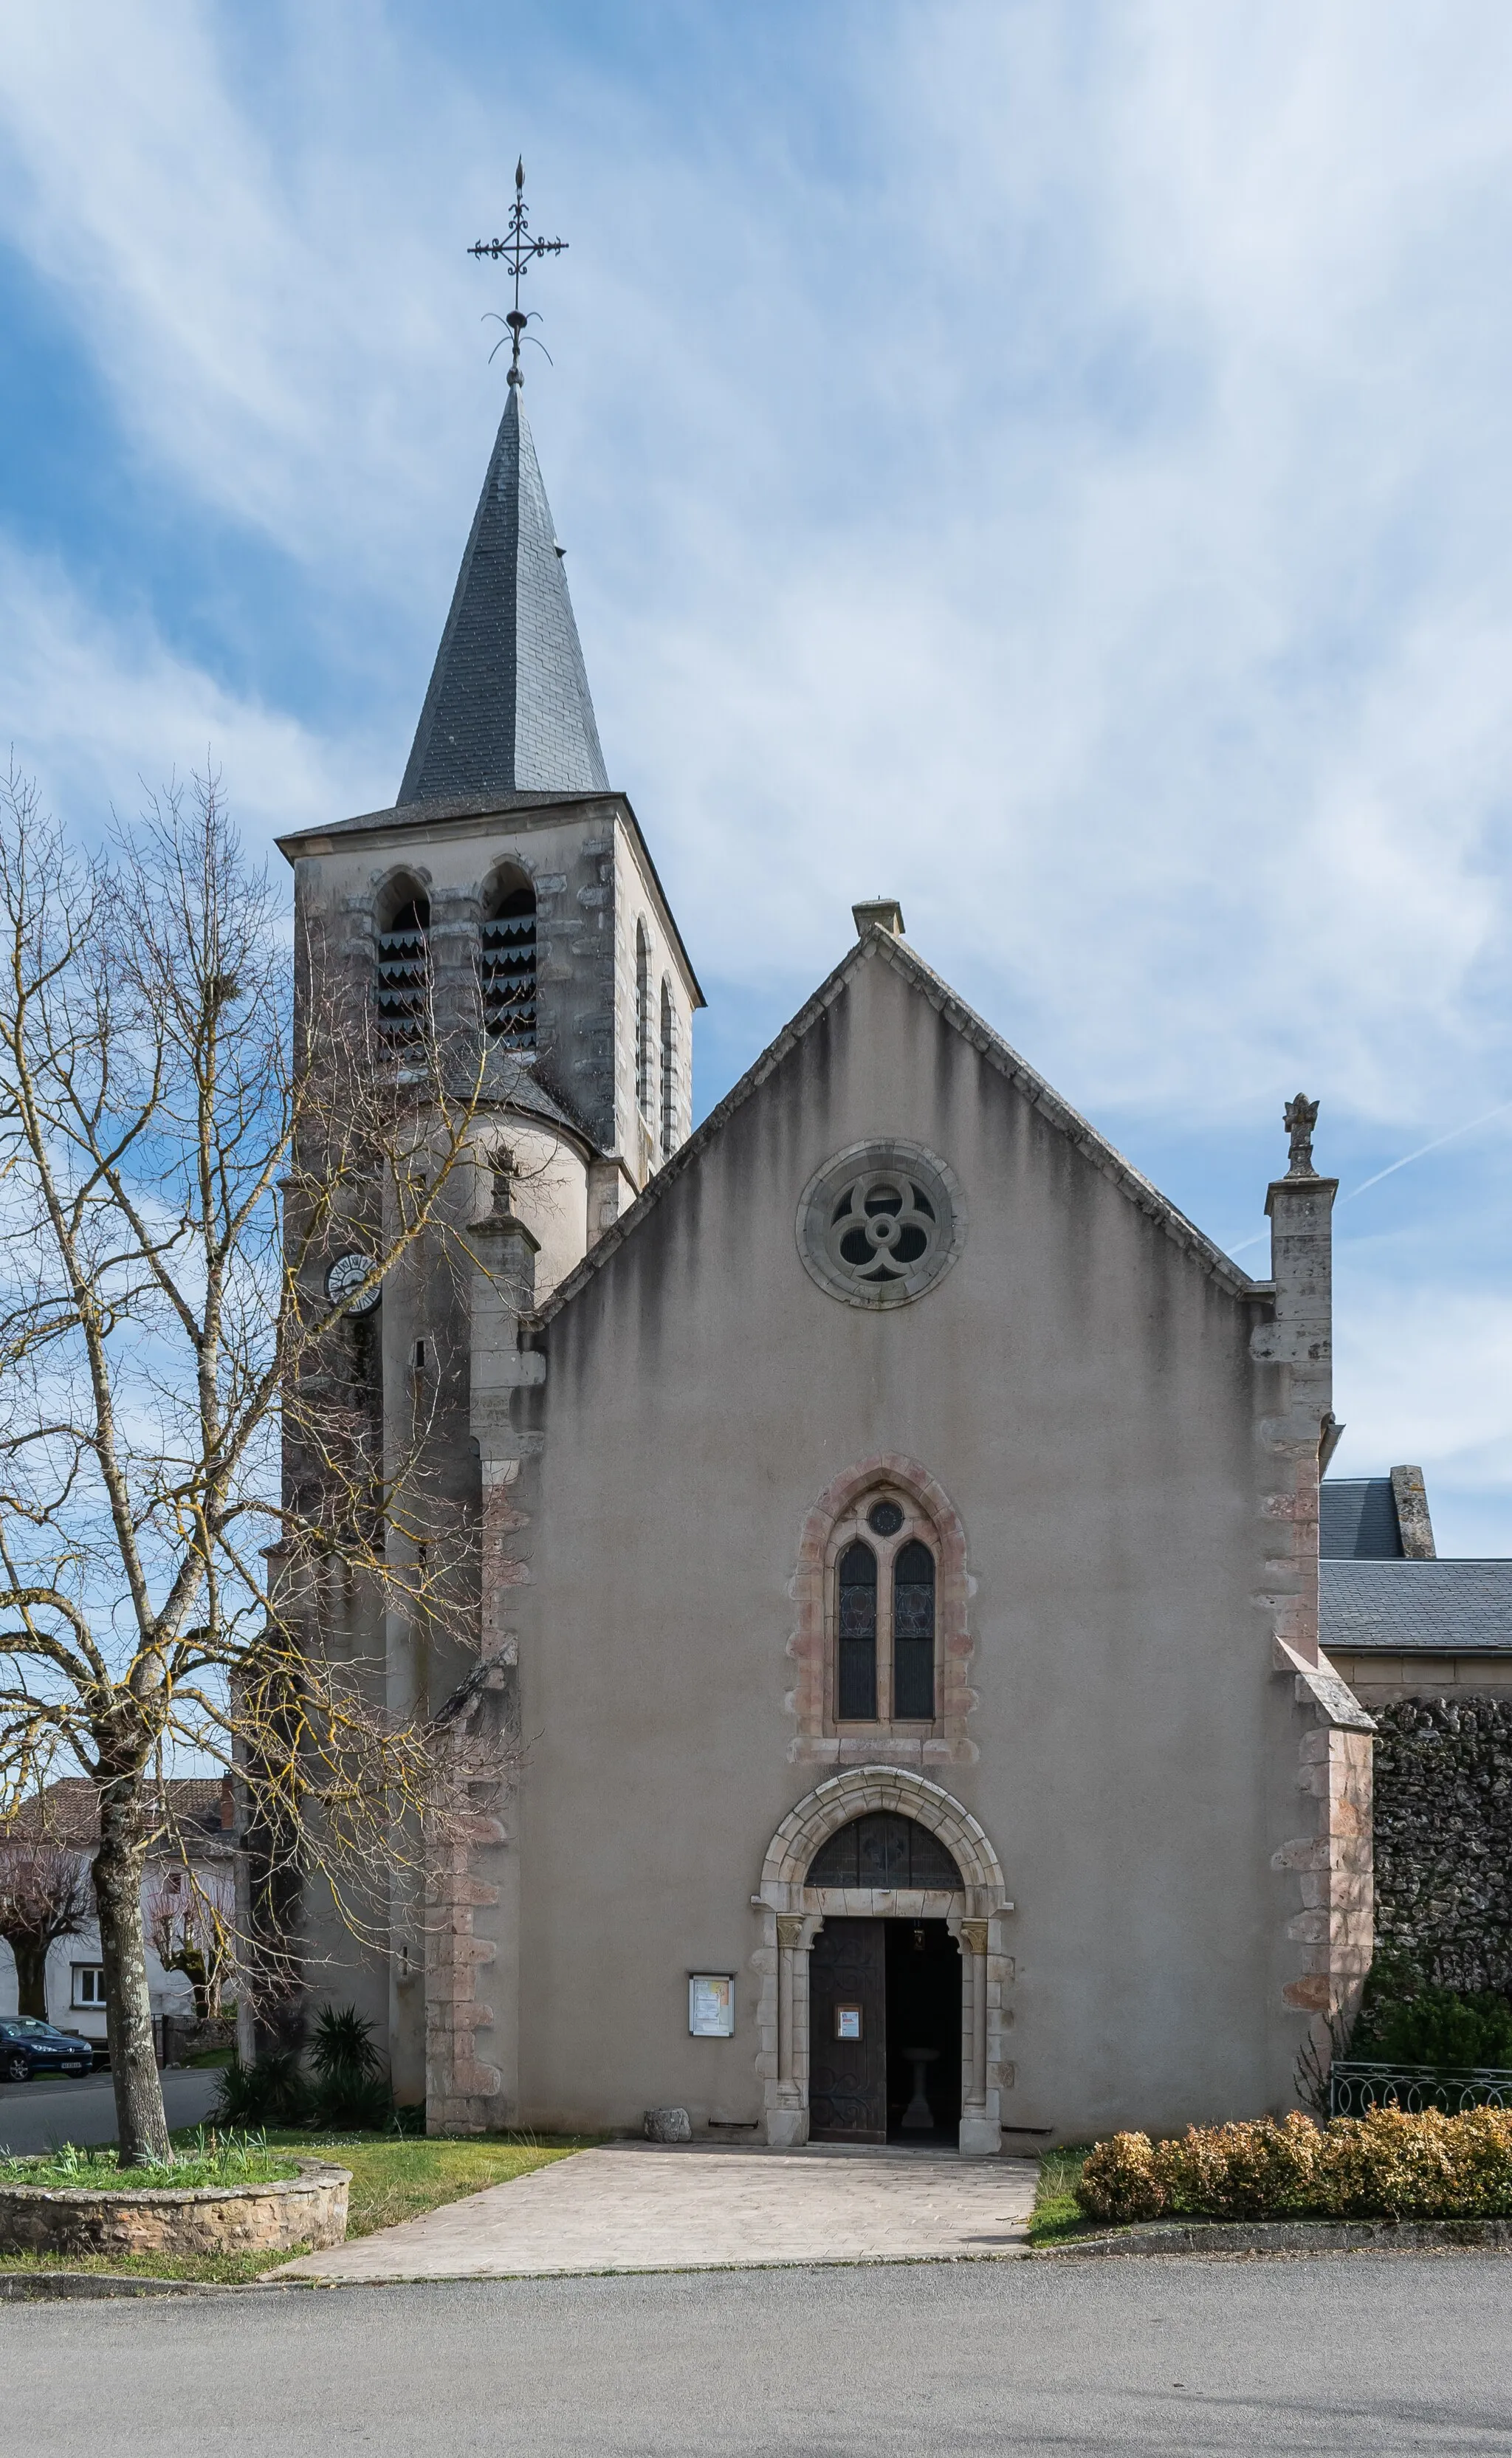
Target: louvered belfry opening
669	1075
508	971
404	975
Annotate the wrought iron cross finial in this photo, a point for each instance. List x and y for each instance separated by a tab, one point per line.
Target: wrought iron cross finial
517	251
1299	1117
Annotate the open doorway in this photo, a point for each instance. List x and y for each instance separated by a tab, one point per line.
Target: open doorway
923	2032
884	2011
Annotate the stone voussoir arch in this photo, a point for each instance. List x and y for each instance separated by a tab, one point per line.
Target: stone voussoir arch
854	1794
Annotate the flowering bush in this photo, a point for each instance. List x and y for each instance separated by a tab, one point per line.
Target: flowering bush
1386	2165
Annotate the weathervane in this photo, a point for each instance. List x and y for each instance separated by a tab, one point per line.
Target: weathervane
517	250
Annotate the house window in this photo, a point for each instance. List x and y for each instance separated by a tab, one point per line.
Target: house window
403	974
668	1074
508	968
885	1615
855	1626
642	1021
89	1984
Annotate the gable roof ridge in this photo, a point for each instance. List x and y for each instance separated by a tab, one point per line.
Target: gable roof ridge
875	941
1079	1131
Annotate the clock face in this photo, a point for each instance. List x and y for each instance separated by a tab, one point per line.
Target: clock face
348	1273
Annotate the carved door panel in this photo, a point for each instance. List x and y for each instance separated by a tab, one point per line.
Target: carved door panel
848	2033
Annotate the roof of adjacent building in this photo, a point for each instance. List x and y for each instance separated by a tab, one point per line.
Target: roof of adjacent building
196	1810
1416	1607
509	708
1357	1520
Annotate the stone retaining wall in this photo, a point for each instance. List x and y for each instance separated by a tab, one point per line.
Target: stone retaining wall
1443	1838
308	2210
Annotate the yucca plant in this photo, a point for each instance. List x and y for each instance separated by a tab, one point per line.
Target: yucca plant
350	2088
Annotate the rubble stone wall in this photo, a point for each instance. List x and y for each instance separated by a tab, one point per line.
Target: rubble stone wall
1443	1838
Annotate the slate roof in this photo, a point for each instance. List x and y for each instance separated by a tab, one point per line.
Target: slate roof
1416	1607
509	709
878	945
1357	1520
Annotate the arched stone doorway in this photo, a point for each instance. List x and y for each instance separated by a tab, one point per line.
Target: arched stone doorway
793	1912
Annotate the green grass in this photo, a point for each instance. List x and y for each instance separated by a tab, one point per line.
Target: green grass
204	2159
393	2177
1057	2214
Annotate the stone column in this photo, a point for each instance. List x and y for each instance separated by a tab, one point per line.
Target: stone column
981	2135
788	2122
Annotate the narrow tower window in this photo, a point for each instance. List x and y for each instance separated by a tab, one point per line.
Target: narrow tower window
668	1074
642	1020
508	968
403	974
856	1651
913	1633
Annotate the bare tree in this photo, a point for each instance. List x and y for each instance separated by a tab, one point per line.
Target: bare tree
45	1895
191	1921
178	1169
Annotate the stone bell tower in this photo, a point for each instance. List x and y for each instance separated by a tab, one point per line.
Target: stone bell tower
511	888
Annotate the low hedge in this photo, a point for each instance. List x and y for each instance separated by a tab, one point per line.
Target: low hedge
1385	2165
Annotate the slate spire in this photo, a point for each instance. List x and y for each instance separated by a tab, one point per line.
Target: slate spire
509	709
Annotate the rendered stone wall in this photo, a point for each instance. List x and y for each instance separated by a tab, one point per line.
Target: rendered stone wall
1443	1838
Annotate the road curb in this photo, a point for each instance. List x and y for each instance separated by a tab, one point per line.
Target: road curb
1289	2236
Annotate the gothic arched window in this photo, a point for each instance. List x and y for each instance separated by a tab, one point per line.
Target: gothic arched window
642	1021
913	1632
507	966
669	1073
403	973
855	1636
886	1574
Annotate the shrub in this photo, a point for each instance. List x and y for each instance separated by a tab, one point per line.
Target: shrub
1385	2165
349	2089
1437	2027
1241	2172
272	2091
1119	2183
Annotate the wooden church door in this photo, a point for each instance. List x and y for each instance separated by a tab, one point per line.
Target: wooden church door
848	2033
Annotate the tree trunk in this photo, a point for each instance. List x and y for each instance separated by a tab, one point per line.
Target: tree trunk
31	1979
141	2124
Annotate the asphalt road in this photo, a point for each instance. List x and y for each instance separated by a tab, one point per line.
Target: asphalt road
1375	2353
54	2108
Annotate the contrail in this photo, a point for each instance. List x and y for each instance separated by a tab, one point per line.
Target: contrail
1365	1184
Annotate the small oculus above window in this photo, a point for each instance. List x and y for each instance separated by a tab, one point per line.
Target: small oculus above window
880	1223
348	1273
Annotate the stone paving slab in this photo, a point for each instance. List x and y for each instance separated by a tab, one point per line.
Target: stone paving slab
633	2206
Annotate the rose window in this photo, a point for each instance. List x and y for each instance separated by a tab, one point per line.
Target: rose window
880	1223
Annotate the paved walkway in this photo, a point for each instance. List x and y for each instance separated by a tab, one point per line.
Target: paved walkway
644	2206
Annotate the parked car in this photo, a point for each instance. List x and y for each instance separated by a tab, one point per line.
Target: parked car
27	2046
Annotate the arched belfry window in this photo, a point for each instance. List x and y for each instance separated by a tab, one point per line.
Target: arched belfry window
509	964
403	972
642	1020
886	1574
669	1073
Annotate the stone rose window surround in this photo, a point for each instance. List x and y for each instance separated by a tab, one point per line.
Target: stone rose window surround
880	1223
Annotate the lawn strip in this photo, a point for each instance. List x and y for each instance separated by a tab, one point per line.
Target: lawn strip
1057	2214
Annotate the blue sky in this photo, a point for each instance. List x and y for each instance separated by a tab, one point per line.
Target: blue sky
1048	462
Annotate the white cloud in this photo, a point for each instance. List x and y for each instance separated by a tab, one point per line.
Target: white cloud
98	711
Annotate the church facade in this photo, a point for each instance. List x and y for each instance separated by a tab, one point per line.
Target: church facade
898	1526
